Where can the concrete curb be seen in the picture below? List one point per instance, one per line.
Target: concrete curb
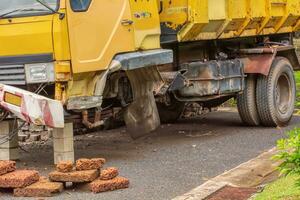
(249, 174)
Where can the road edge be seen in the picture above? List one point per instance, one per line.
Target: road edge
(248, 174)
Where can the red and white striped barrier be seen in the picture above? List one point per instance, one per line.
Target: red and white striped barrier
(31, 107)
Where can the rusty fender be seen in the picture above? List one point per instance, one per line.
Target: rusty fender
(259, 60)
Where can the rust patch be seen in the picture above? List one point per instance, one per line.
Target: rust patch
(259, 60)
(258, 64)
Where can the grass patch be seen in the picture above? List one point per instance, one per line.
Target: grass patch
(282, 189)
(297, 75)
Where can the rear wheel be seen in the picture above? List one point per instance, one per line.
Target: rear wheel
(276, 93)
(246, 103)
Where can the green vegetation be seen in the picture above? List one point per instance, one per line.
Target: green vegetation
(289, 153)
(282, 189)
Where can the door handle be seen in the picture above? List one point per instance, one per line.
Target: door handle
(126, 22)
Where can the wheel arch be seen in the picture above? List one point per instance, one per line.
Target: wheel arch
(260, 60)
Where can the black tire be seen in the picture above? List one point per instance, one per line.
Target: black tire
(246, 103)
(276, 94)
(172, 112)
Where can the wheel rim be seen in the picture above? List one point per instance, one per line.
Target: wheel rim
(283, 94)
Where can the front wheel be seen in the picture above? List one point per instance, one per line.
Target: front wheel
(276, 94)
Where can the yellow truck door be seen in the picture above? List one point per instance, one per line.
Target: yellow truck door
(97, 32)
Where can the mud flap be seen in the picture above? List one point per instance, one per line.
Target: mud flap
(141, 117)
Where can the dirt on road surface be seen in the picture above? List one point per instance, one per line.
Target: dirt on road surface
(175, 159)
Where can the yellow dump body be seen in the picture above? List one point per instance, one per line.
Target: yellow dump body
(220, 19)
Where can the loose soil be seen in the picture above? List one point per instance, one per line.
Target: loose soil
(233, 193)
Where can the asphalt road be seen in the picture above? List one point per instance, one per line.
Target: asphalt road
(174, 160)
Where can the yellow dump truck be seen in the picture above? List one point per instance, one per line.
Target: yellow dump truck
(142, 61)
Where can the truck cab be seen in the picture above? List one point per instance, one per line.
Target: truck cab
(63, 50)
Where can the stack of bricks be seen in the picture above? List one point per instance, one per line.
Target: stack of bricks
(26, 183)
(109, 181)
(86, 170)
(89, 171)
